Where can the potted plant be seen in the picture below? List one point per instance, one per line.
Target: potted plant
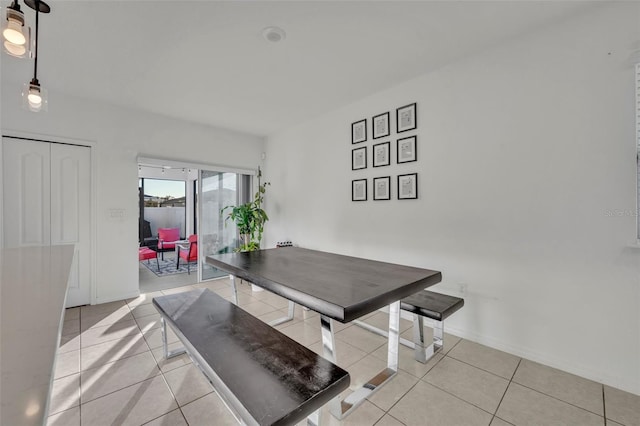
(249, 219)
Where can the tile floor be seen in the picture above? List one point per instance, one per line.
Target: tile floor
(110, 371)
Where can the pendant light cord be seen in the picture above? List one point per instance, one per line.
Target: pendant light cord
(35, 62)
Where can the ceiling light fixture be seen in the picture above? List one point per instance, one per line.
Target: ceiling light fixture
(14, 32)
(274, 34)
(33, 95)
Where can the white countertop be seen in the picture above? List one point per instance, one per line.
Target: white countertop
(33, 288)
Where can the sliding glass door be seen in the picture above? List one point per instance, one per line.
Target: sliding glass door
(218, 190)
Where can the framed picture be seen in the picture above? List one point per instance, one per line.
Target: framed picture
(381, 186)
(381, 154)
(359, 131)
(406, 148)
(406, 118)
(380, 125)
(359, 190)
(408, 186)
(359, 158)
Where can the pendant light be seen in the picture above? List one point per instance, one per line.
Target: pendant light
(33, 95)
(15, 34)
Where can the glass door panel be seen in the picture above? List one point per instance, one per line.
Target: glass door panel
(217, 190)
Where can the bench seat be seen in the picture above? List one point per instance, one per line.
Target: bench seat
(428, 304)
(263, 376)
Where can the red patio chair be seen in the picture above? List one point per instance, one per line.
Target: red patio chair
(145, 253)
(167, 238)
(190, 254)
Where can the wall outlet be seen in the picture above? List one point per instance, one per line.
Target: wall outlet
(462, 289)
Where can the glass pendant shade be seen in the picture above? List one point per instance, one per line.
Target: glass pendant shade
(15, 34)
(34, 97)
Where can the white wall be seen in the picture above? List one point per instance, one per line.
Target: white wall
(119, 136)
(523, 150)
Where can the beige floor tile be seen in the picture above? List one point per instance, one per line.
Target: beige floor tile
(171, 363)
(148, 322)
(567, 387)
(174, 418)
(425, 401)
(381, 320)
(214, 284)
(70, 342)
(113, 350)
(364, 370)
(243, 298)
(305, 314)
(486, 358)
(622, 407)
(526, 407)
(144, 310)
(143, 299)
(104, 319)
(277, 301)
(366, 414)
(71, 314)
(102, 308)
(361, 338)
(346, 354)
(67, 363)
(97, 382)
(471, 384)
(187, 384)
(115, 331)
(134, 405)
(448, 342)
(154, 337)
(201, 412)
(178, 290)
(70, 417)
(270, 316)
(258, 308)
(407, 362)
(387, 420)
(224, 292)
(65, 394)
(497, 421)
(71, 326)
(303, 333)
(389, 394)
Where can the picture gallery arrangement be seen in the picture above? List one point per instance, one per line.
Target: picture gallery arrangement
(379, 153)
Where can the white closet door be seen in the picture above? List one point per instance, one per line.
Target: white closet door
(46, 200)
(26, 189)
(70, 214)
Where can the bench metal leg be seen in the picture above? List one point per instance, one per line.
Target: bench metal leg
(234, 289)
(341, 409)
(167, 353)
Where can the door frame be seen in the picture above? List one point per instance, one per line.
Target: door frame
(17, 134)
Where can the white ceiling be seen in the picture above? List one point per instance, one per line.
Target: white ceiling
(206, 61)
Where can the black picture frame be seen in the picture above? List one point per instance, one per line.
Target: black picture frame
(359, 131)
(380, 126)
(382, 188)
(406, 149)
(359, 190)
(408, 186)
(407, 118)
(381, 154)
(359, 158)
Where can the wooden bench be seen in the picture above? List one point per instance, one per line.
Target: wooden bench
(263, 376)
(428, 304)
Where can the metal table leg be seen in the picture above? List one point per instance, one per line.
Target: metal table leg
(167, 353)
(273, 323)
(341, 409)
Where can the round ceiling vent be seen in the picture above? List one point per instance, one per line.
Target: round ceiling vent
(274, 34)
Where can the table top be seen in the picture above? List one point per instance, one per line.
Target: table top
(340, 287)
(33, 287)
